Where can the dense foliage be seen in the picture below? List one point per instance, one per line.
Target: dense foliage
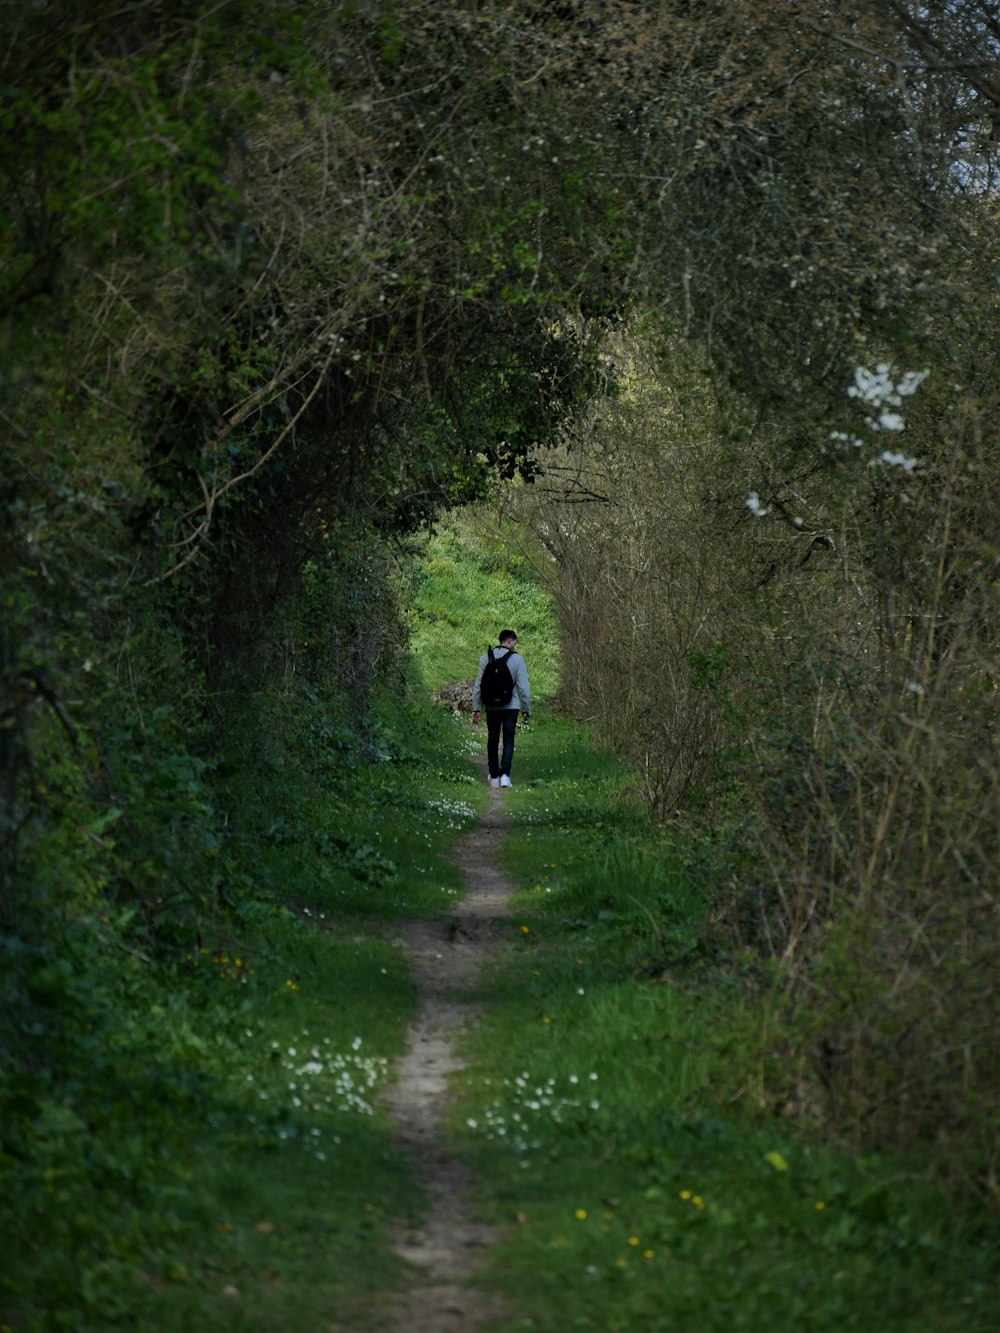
(606, 1107)
(779, 541)
(269, 303)
(267, 306)
(281, 282)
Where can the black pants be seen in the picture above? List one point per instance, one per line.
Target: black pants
(497, 720)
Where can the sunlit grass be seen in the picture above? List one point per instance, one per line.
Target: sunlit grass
(462, 602)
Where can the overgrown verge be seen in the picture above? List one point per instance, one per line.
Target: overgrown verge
(610, 1108)
(792, 643)
(199, 1013)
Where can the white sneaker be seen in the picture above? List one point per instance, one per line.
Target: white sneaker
(494, 782)
(505, 780)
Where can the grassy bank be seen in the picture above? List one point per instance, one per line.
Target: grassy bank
(213, 1155)
(472, 584)
(608, 1109)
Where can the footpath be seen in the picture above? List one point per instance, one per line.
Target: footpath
(583, 1099)
(445, 956)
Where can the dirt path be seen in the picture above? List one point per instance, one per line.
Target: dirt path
(447, 1247)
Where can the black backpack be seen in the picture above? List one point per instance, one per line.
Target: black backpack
(497, 684)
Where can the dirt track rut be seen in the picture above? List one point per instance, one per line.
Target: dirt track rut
(448, 1246)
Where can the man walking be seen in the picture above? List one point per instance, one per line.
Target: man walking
(502, 685)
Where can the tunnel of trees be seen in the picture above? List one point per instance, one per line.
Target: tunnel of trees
(702, 297)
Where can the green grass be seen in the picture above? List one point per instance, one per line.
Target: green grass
(606, 1111)
(205, 1163)
(465, 596)
(378, 852)
(297, 1175)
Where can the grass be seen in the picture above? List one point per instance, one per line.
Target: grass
(297, 1175)
(307, 1182)
(465, 596)
(607, 1110)
(219, 1159)
(222, 1161)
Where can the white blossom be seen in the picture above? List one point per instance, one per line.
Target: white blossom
(878, 389)
(890, 459)
(891, 421)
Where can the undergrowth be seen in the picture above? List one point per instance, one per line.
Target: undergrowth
(191, 1132)
(609, 1109)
